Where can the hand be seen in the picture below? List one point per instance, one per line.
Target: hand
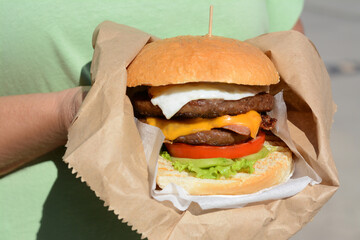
(69, 102)
(34, 124)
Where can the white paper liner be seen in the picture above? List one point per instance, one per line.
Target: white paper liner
(303, 174)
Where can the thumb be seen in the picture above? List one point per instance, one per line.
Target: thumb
(70, 101)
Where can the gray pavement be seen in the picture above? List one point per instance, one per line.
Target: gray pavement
(334, 27)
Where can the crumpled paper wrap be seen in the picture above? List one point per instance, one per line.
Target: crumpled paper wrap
(105, 148)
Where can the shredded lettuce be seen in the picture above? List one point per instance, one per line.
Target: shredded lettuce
(215, 168)
(165, 155)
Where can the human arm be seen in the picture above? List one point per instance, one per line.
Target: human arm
(299, 26)
(34, 124)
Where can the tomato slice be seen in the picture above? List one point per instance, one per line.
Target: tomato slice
(183, 150)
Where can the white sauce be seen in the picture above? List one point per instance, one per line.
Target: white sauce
(172, 98)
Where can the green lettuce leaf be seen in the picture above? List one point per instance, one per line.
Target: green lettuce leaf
(215, 168)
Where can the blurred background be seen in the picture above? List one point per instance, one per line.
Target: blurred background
(334, 28)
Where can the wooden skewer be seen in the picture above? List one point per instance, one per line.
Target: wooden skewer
(210, 20)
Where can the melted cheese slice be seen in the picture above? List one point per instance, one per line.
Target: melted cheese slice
(172, 98)
(176, 128)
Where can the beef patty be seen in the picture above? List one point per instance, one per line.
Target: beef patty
(205, 108)
(214, 137)
(223, 136)
(211, 108)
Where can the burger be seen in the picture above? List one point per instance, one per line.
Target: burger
(209, 96)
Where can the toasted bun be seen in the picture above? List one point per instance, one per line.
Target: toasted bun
(270, 171)
(187, 59)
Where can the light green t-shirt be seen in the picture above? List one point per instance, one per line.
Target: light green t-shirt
(45, 44)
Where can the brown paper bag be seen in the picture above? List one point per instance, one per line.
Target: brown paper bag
(105, 148)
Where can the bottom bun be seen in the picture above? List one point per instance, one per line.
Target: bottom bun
(270, 171)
